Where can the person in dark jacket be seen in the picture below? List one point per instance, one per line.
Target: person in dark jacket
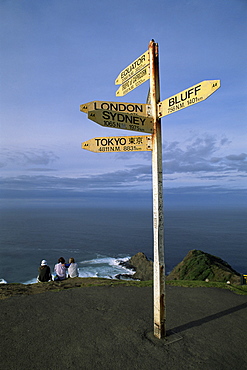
(44, 272)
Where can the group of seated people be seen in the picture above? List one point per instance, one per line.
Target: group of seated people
(59, 270)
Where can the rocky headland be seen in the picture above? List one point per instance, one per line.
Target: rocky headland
(197, 265)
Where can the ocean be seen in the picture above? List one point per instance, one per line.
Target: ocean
(99, 239)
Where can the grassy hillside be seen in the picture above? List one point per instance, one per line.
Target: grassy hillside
(198, 265)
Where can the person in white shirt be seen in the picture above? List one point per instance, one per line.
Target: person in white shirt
(73, 269)
(60, 269)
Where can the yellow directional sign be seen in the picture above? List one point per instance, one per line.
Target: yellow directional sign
(140, 109)
(119, 144)
(139, 78)
(133, 68)
(124, 121)
(188, 97)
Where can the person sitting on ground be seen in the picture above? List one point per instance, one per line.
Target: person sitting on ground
(44, 272)
(60, 269)
(73, 269)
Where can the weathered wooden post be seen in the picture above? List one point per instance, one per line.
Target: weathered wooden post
(158, 215)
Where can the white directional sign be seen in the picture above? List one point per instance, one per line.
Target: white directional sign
(139, 78)
(188, 97)
(124, 121)
(133, 68)
(119, 144)
(140, 109)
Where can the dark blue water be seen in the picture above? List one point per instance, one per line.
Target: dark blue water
(95, 238)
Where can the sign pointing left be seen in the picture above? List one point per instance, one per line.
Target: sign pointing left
(140, 109)
(134, 75)
(133, 68)
(118, 144)
(124, 121)
(139, 78)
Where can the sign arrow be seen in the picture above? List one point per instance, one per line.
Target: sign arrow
(119, 144)
(188, 97)
(124, 121)
(139, 78)
(133, 68)
(140, 109)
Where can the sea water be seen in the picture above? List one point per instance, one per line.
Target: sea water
(99, 239)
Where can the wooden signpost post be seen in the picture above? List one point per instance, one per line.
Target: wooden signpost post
(145, 118)
(158, 214)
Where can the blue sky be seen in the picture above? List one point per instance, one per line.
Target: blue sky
(58, 54)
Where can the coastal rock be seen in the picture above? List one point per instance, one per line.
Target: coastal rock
(125, 277)
(198, 265)
(142, 266)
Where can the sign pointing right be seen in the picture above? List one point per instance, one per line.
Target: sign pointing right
(188, 97)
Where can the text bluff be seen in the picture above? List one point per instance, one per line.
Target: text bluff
(184, 95)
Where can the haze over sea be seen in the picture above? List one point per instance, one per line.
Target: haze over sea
(98, 238)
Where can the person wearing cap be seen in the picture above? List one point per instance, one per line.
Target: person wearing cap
(44, 272)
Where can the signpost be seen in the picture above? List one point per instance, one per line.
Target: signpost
(121, 120)
(145, 118)
(140, 109)
(158, 215)
(139, 78)
(133, 68)
(119, 144)
(188, 97)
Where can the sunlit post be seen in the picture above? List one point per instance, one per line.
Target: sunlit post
(158, 216)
